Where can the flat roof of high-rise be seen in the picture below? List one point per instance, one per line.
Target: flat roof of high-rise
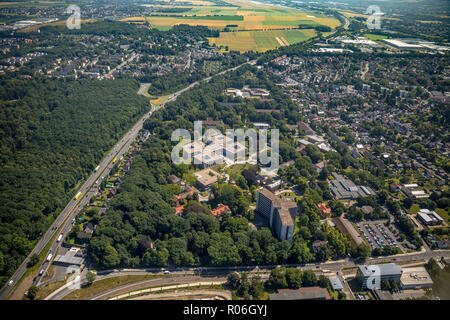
(416, 276)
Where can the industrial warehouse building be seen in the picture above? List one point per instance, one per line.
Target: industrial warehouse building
(308, 293)
(74, 256)
(343, 188)
(429, 218)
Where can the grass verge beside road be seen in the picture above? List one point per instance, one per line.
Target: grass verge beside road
(158, 100)
(49, 288)
(107, 284)
(214, 286)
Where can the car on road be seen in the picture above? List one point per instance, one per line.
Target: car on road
(167, 272)
(10, 283)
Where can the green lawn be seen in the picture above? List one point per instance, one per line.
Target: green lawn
(163, 28)
(264, 40)
(235, 170)
(295, 36)
(414, 209)
(444, 213)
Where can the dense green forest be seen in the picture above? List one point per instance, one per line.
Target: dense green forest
(53, 133)
(140, 214)
(140, 228)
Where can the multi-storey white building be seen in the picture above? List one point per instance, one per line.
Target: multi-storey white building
(281, 214)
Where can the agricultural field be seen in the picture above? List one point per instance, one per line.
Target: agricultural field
(374, 37)
(240, 15)
(57, 23)
(349, 14)
(245, 25)
(260, 40)
(243, 22)
(36, 4)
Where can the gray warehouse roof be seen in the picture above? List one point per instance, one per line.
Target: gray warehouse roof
(69, 260)
(384, 269)
(343, 188)
(308, 293)
(336, 284)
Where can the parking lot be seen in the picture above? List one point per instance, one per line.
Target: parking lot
(378, 235)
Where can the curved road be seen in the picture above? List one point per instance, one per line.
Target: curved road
(180, 275)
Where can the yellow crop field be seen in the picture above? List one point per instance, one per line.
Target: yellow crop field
(245, 15)
(239, 41)
(193, 2)
(133, 19)
(353, 14)
(5, 4)
(260, 40)
(250, 25)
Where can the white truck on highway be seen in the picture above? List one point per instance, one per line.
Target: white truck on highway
(49, 257)
(59, 238)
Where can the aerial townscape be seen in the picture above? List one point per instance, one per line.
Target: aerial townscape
(225, 150)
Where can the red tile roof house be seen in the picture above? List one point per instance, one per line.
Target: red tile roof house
(221, 209)
(179, 210)
(394, 187)
(325, 210)
(188, 191)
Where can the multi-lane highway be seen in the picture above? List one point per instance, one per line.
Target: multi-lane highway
(184, 274)
(64, 220)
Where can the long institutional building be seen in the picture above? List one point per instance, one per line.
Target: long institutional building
(343, 188)
(218, 149)
(371, 276)
(280, 213)
(429, 218)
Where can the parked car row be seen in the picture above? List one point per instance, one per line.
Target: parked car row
(368, 238)
(387, 237)
(374, 239)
